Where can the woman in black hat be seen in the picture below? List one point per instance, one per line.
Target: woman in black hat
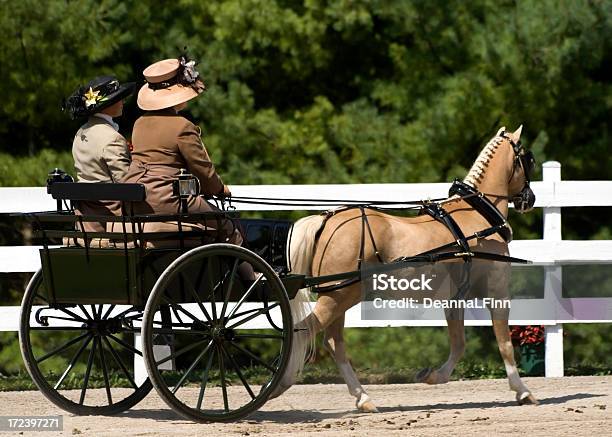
(100, 152)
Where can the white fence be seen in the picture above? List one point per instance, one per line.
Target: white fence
(552, 251)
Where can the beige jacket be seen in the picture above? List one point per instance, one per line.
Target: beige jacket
(100, 153)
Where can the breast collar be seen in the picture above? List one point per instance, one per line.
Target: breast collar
(484, 207)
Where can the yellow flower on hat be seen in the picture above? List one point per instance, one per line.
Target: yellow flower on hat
(91, 97)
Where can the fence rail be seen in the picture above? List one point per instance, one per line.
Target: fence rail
(551, 251)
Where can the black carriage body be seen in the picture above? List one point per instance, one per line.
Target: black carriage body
(187, 297)
(79, 275)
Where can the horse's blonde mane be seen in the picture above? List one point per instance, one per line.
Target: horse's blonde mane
(475, 174)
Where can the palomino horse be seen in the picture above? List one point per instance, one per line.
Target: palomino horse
(329, 244)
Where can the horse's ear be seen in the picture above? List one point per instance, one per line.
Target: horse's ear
(516, 135)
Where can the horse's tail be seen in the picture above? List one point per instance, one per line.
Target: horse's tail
(300, 252)
(301, 244)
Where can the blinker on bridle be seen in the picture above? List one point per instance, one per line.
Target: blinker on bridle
(525, 199)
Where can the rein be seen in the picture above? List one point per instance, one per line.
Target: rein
(476, 199)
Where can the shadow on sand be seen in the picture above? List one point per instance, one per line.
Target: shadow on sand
(314, 416)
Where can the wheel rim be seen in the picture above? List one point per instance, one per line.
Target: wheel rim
(70, 350)
(222, 368)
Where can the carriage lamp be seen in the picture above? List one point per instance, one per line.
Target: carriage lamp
(57, 175)
(186, 185)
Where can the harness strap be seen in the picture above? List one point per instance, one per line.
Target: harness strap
(484, 206)
(365, 224)
(439, 214)
(350, 278)
(362, 241)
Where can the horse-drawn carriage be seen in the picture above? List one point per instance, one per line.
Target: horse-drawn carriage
(216, 341)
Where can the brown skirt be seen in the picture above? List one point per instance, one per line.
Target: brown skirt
(158, 180)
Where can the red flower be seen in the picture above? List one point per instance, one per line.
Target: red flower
(527, 334)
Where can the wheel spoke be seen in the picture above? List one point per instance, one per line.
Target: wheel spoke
(176, 314)
(71, 364)
(85, 312)
(88, 370)
(238, 372)
(94, 311)
(244, 297)
(126, 345)
(181, 309)
(213, 288)
(120, 362)
(188, 313)
(222, 375)
(253, 356)
(229, 288)
(252, 316)
(76, 316)
(108, 311)
(269, 336)
(105, 373)
(243, 313)
(194, 293)
(61, 348)
(179, 384)
(205, 380)
(181, 351)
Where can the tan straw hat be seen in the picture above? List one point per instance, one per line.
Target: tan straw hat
(169, 83)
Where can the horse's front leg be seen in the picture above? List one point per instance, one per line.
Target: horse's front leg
(502, 334)
(456, 333)
(334, 343)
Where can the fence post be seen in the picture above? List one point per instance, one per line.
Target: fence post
(551, 172)
(140, 372)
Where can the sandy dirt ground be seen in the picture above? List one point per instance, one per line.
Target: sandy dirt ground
(571, 406)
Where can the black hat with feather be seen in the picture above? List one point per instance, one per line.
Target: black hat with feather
(97, 94)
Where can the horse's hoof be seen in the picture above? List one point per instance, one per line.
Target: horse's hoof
(368, 407)
(526, 399)
(425, 376)
(365, 405)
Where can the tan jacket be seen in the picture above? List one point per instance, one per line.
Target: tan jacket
(100, 153)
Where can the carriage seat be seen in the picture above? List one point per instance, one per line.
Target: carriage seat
(194, 234)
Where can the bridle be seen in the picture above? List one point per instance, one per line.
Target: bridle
(525, 199)
(522, 157)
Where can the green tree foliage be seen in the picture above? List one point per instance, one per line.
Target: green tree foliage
(313, 91)
(344, 91)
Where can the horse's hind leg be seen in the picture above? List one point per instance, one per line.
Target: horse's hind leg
(502, 334)
(456, 333)
(334, 343)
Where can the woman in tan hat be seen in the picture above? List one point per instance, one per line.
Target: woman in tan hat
(165, 142)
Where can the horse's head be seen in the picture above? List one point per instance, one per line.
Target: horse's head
(523, 166)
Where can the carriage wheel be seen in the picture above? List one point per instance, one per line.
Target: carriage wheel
(70, 349)
(228, 335)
